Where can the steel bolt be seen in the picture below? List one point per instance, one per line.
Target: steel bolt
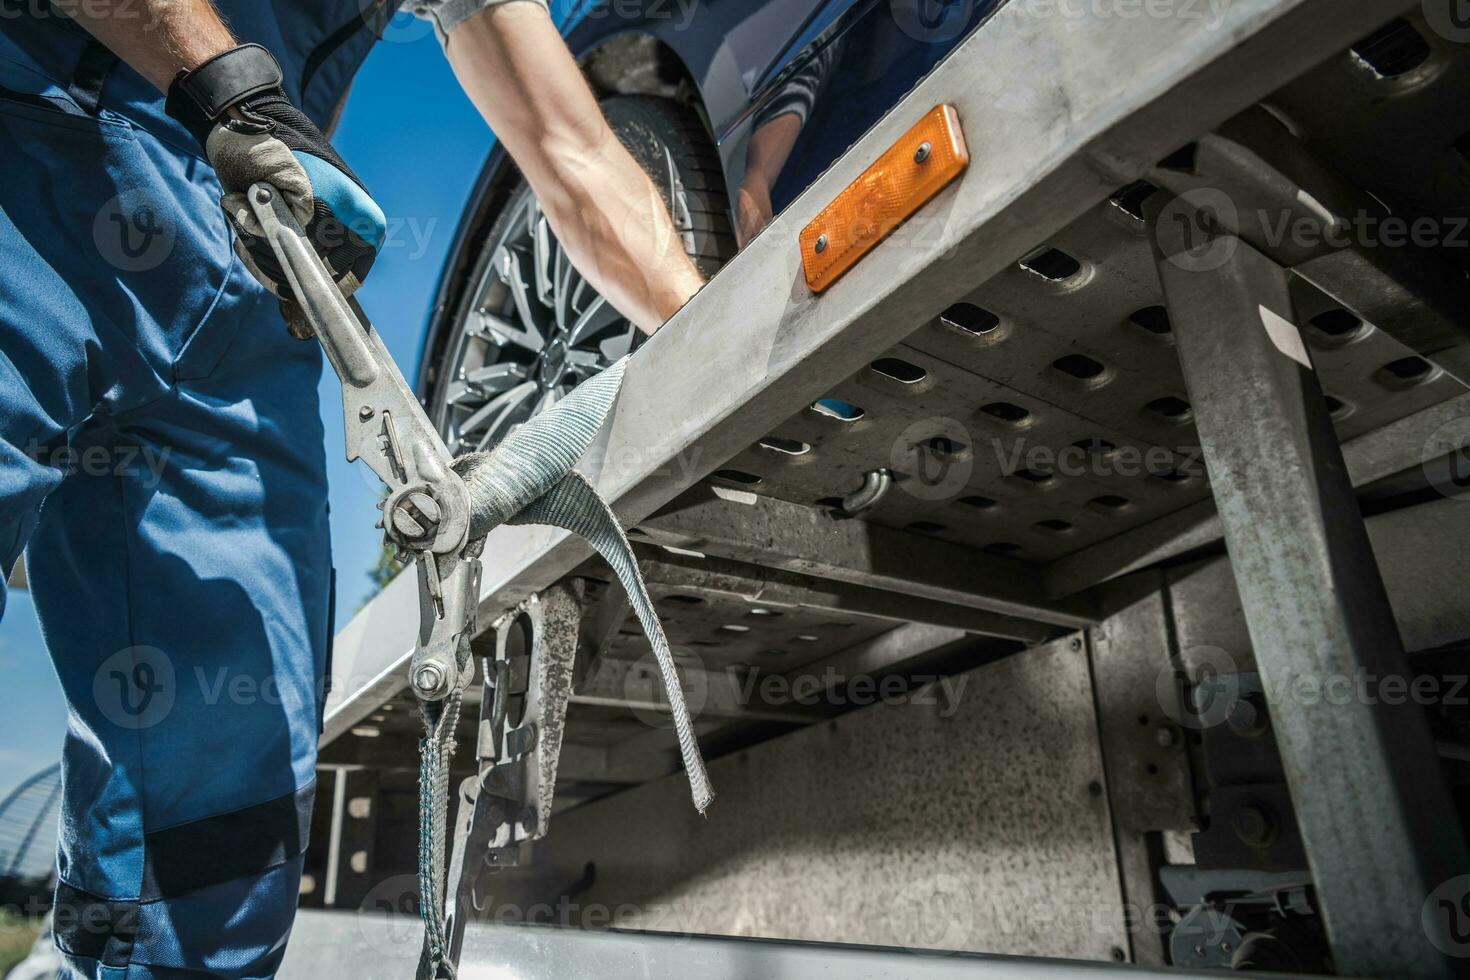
(1254, 825)
(922, 153)
(428, 679)
(1247, 716)
(427, 506)
(1076, 643)
(821, 245)
(263, 195)
(405, 525)
(1166, 736)
(365, 413)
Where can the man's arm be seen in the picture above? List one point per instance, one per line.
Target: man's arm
(605, 211)
(158, 38)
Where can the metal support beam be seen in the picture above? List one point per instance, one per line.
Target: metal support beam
(811, 541)
(716, 577)
(882, 654)
(1365, 781)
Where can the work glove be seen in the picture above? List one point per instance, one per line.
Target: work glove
(234, 105)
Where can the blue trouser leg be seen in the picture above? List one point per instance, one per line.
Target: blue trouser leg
(161, 461)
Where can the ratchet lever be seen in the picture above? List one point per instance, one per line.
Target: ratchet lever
(426, 512)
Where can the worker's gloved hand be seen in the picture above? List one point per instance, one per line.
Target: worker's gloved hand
(235, 107)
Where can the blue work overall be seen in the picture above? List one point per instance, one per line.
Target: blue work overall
(162, 465)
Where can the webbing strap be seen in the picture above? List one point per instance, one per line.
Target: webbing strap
(528, 479)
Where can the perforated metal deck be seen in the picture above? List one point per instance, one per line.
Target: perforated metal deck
(1046, 412)
(1041, 415)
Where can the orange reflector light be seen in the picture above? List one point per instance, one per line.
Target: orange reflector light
(884, 196)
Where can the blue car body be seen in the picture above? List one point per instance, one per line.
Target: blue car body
(855, 59)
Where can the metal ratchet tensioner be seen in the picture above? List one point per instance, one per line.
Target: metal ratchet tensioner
(426, 512)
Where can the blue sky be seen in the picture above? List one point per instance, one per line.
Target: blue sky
(418, 145)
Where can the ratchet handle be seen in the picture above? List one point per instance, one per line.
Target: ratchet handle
(320, 299)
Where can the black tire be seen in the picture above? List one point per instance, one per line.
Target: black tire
(669, 142)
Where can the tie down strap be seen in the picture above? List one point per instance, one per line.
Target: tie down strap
(529, 479)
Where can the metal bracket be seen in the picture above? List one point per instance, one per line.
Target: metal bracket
(508, 803)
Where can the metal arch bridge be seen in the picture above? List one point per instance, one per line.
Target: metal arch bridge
(28, 826)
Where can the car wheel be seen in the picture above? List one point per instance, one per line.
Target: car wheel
(530, 328)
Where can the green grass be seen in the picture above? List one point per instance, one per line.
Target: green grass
(16, 936)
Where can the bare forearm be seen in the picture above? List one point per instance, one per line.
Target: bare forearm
(617, 232)
(605, 211)
(158, 38)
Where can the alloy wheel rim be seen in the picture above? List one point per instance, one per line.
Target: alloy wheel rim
(536, 330)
